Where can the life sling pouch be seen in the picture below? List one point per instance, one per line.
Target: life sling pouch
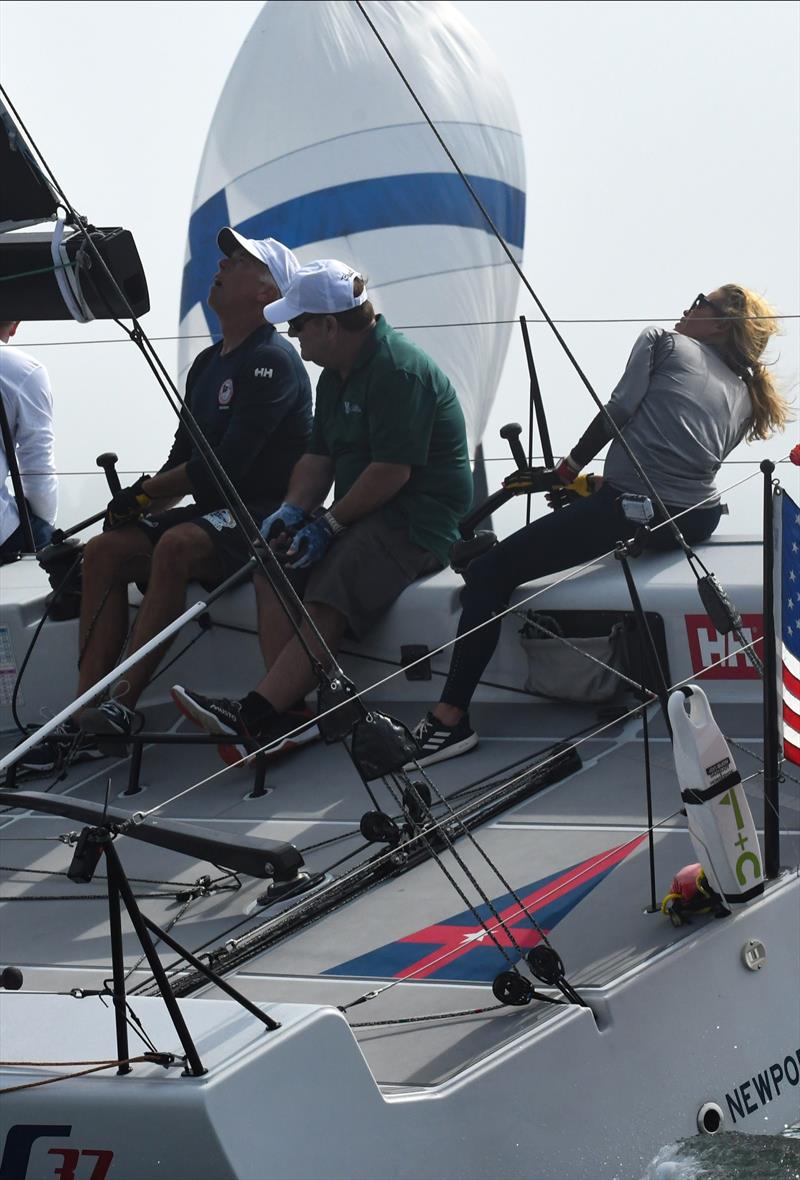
(579, 669)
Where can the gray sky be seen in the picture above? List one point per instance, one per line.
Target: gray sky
(662, 154)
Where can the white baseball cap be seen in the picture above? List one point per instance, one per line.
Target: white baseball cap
(279, 259)
(324, 287)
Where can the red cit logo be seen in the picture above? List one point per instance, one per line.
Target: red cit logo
(707, 646)
(225, 393)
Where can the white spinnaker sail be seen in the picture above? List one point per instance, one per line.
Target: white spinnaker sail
(317, 142)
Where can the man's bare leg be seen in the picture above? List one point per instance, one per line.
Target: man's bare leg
(290, 675)
(184, 553)
(274, 628)
(110, 562)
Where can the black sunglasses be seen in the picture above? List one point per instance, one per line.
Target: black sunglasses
(702, 301)
(300, 321)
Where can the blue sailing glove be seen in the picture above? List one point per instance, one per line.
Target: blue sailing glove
(286, 519)
(313, 541)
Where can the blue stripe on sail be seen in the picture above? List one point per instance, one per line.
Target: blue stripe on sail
(426, 198)
(204, 225)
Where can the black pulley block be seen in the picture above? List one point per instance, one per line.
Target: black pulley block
(339, 709)
(417, 801)
(545, 964)
(381, 746)
(509, 987)
(379, 828)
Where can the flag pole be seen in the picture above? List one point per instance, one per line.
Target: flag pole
(772, 745)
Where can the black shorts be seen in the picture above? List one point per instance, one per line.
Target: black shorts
(230, 545)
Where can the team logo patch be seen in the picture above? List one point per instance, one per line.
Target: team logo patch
(221, 519)
(225, 395)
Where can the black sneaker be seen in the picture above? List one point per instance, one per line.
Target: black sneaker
(63, 747)
(115, 720)
(437, 741)
(278, 735)
(214, 714)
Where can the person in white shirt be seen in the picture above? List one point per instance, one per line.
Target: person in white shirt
(28, 402)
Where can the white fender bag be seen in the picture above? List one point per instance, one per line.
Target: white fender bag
(720, 823)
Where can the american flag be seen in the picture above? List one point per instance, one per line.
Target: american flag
(787, 552)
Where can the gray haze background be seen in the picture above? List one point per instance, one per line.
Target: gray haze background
(663, 157)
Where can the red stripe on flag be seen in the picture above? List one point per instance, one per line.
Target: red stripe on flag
(791, 753)
(791, 683)
(791, 718)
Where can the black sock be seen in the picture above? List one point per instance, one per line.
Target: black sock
(257, 711)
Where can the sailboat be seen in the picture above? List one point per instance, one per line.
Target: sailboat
(456, 974)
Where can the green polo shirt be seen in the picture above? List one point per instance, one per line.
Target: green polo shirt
(397, 406)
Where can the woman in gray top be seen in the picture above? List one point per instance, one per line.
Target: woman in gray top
(685, 400)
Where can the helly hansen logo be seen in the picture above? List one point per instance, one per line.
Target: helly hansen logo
(263, 372)
(352, 408)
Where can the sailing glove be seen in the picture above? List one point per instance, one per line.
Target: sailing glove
(285, 520)
(313, 541)
(127, 505)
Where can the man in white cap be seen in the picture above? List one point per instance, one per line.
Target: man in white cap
(389, 438)
(250, 395)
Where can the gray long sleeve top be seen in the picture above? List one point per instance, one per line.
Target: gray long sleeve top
(682, 411)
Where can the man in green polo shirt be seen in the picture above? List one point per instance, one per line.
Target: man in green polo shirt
(389, 438)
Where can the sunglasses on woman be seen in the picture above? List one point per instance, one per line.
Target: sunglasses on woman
(702, 301)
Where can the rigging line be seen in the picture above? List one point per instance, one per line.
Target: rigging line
(230, 496)
(616, 432)
(422, 833)
(173, 921)
(465, 830)
(561, 887)
(432, 1016)
(784, 774)
(660, 319)
(562, 639)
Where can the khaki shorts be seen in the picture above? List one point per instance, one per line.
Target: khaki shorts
(364, 571)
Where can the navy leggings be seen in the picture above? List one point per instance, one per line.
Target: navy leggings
(585, 530)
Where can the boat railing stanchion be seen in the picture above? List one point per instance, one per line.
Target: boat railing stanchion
(772, 744)
(647, 647)
(118, 974)
(259, 778)
(134, 786)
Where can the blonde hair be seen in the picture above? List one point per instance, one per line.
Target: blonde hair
(752, 324)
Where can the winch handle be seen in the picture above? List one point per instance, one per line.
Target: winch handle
(107, 461)
(511, 432)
